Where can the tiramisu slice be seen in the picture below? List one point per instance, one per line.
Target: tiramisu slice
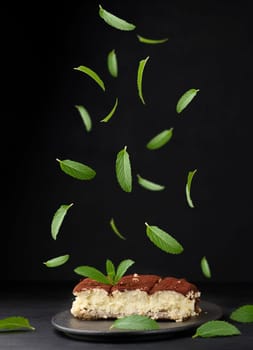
(166, 298)
(92, 300)
(174, 299)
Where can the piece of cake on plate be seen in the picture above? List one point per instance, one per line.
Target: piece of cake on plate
(160, 298)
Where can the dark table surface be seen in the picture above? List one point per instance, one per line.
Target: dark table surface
(39, 301)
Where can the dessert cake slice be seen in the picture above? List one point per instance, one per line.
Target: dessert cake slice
(159, 298)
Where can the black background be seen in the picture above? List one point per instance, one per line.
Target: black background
(210, 49)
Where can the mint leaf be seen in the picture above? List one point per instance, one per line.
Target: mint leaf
(122, 268)
(243, 314)
(77, 170)
(140, 71)
(123, 170)
(160, 140)
(110, 270)
(216, 329)
(149, 185)
(108, 117)
(115, 21)
(185, 99)
(135, 322)
(115, 229)
(112, 64)
(58, 261)
(205, 267)
(112, 278)
(15, 323)
(85, 117)
(151, 41)
(93, 273)
(163, 240)
(92, 74)
(188, 188)
(58, 219)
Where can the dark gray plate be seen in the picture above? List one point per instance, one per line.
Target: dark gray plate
(99, 330)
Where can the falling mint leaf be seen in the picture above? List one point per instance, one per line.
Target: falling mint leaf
(216, 329)
(85, 117)
(112, 63)
(108, 117)
(188, 188)
(243, 314)
(92, 74)
(15, 323)
(123, 170)
(58, 219)
(135, 322)
(93, 273)
(205, 267)
(77, 170)
(115, 21)
(163, 240)
(115, 229)
(58, 261)
(151, 41)
(149, 185)
(140, 71)
(185, 99)
(160, 140)
(122, 268)
(110, 270)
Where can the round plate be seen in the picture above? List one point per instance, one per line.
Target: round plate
(99, 330)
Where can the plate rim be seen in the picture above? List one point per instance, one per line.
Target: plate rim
(122, 333)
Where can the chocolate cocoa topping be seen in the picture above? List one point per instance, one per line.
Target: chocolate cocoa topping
(88, 283)
(148, 283)
(171, 283)
(135, 281)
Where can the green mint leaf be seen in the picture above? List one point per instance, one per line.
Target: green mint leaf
(115, 21)
(58, 219)
(163, 240)
(93, 273)
(188, 188)
(58, 261)
(243, 314)
(112, 64)
(92, 74)
(135, 322)
(123, 170)
(85, 117)
(15, 323)
(185, 99)
(216, 329)
(205, 267)
(160, 140)
(122, 268)
(140, 71)
(110, 270)
(77, 170)
(151, 41)
(115, 229)
(108, 117)
(149, 185)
